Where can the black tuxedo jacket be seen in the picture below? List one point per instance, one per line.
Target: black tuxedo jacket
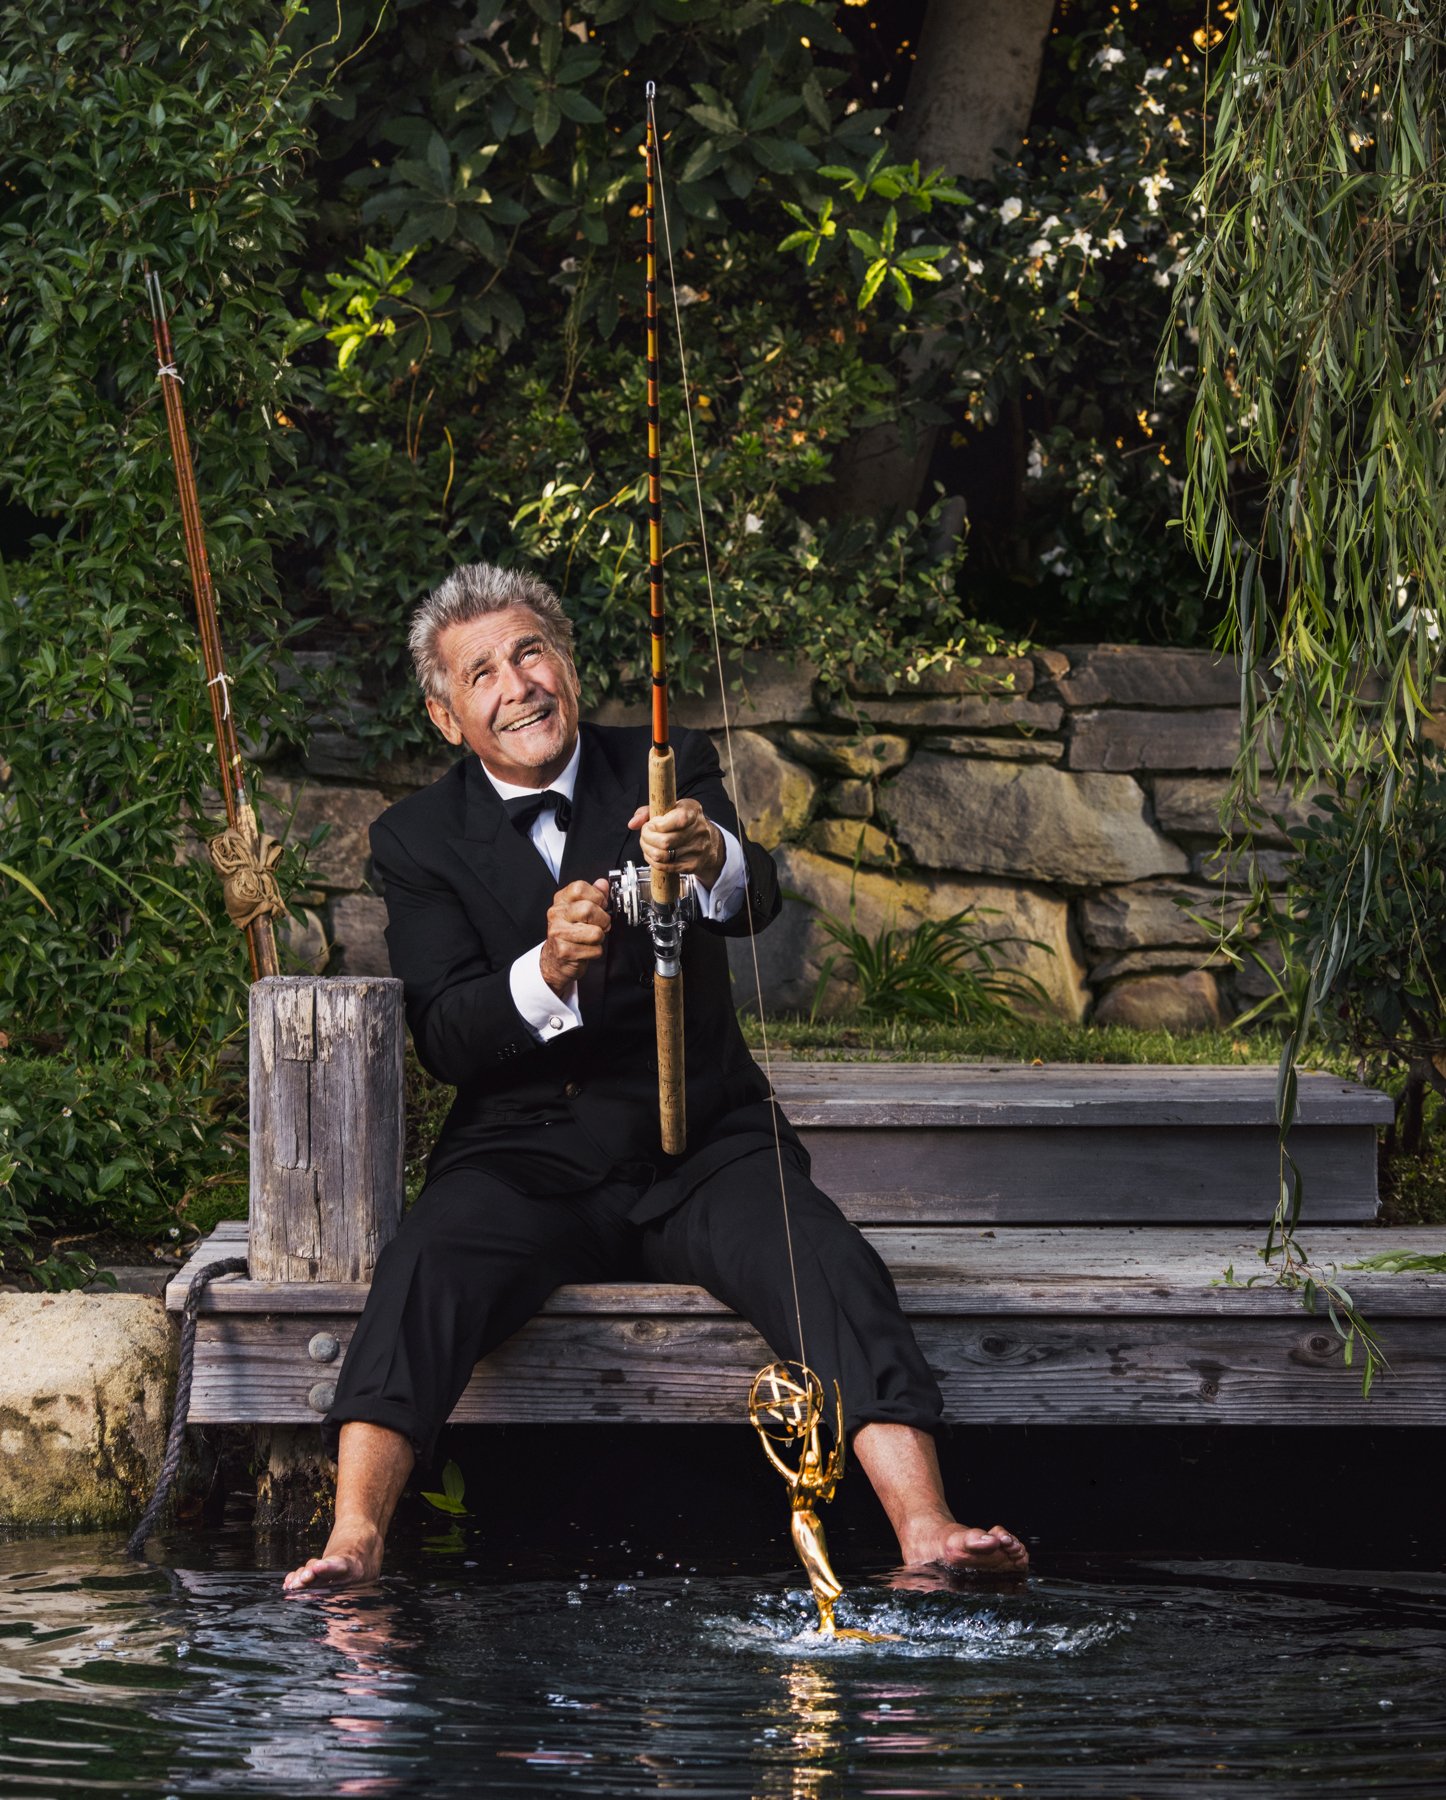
(467, 893)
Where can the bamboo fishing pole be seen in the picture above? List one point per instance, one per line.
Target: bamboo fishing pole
(242, 856)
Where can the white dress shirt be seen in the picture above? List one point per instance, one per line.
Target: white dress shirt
(548, 1014)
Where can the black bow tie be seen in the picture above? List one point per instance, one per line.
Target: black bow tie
(524, 808)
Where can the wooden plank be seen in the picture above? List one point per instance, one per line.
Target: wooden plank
(1089, 1175)
(1051, 1094)
(992, 1371)
(956, 1272)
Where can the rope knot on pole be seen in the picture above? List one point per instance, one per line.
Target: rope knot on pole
(245, 858)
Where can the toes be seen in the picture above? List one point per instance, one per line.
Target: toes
(1008, 1544)
(317, 1568)
(992, 1549)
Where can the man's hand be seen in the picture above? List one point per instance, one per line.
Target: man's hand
(681, 841)
(578, 922)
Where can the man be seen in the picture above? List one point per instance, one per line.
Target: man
(522, 993)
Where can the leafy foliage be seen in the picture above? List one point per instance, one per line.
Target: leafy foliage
(1316, 482)
(1053, 283)
(943, 970)
(87, 1145)
(486, 393)
(1315, 476)
(127, 137)
(450, 1499)
(1380, 910)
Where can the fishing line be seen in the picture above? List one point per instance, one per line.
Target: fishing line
(732, 776)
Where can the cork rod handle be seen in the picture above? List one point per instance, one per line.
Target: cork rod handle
(667, 990)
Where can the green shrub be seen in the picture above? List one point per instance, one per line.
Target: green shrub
(1371, 904)
(1046, 311)
(945, 971)
(476, 349)
(169, 136)
(112, 1147)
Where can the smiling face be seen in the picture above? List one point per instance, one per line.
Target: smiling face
(511, 697)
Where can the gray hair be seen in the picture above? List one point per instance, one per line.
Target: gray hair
(471, 592)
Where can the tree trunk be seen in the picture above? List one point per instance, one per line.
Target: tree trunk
(967, 106)
(972, 89)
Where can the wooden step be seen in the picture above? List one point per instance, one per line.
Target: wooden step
(1078, 1144)
(1080, 1325)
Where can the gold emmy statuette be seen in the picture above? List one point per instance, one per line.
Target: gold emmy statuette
(786, 1409)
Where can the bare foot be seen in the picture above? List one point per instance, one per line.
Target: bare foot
(944, 1541)
(349, 1558)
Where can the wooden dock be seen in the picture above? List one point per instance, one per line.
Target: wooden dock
(1059, 1237)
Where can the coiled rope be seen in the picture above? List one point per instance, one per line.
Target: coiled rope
(171, 1462)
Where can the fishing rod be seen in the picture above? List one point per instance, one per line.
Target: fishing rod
(787, 1405)
(658, 897)
(243, 856)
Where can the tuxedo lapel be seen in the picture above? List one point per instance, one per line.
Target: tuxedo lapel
(503, 860)
(602, 803)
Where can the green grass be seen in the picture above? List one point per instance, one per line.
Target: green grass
(206, 1210)
(1016, 1040)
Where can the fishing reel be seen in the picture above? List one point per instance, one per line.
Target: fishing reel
(630, 898)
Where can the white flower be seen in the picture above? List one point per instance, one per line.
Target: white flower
(1156, 73)
(974, 268)
(1010, 210)
(1109, 56)
(751, 523)
(1056, 562)
(1050, 223)
(1415, 618)
(1080, 240)
(1034, 466)
(687, 296)
(1160, 278)
(1092, 152)
(1114, 238)
(1153, 186)
(1041, 250)
(1152, 105)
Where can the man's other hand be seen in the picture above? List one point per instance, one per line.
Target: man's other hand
(681, 841)
(577, 927)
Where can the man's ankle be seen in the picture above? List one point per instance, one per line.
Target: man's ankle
(923, 1529)
(363, 1533)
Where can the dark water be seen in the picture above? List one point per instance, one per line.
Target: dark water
(633, 1674)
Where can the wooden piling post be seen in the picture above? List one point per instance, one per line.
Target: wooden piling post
(326, 1125)
(326, 1178)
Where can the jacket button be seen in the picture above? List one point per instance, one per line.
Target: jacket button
(573, 1089)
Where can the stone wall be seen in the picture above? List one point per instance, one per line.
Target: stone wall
(1074, 794)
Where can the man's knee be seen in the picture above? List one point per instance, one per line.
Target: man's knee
(460, 1235)
(747, 1227)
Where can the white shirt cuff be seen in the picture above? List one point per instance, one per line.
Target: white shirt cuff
(548, 1014)
(723, 899)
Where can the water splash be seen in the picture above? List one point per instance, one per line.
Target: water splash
(965, 1627)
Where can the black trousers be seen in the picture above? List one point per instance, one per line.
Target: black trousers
(475, 1259)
